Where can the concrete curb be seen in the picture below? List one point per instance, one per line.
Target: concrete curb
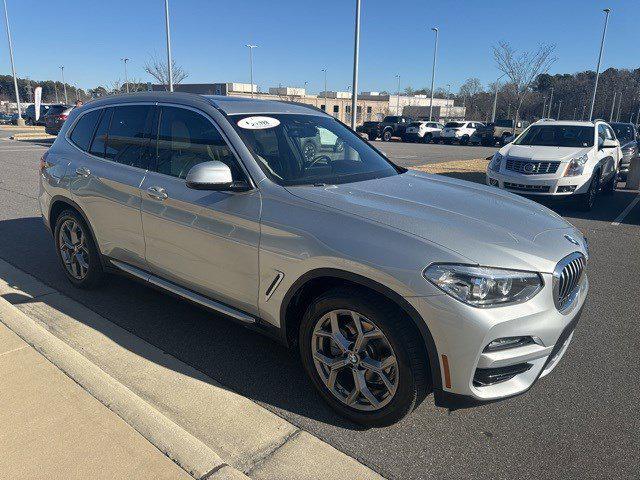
(185, 450)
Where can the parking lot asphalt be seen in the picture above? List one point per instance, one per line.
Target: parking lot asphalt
(413, 154)
(582, 421)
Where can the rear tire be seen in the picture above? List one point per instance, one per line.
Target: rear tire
(386, 136)
(77, 251)
(397, 390)
(427, 138)
(464, 140)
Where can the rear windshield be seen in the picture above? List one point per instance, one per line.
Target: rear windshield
(504, 123)
(557, 136)
(453, 125)
(624, 131)
(57, 109)
(391, 119)
(310, 150)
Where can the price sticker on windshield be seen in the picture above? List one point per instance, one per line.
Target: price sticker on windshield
(258, 123)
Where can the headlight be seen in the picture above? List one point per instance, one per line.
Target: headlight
(495, 162)
(484, 286)
(576, 166)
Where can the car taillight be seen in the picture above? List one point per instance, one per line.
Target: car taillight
(62, 116)
(43, 161)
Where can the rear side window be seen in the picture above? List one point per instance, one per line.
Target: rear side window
(185, 139)
(83, 131)
(126, 140)
(100, 138)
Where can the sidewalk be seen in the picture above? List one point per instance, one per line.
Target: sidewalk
(52, 428)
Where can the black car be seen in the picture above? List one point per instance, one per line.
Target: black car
(370, 129)
(29, 115)
(628, 137)
(393, 126)
(56, 117)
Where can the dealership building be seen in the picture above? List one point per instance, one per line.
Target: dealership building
(371, 105)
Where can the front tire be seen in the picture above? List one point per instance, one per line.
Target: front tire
(609, 187)
(386, 136)
(77, 251)
(587, 200)
(427, 138)
(464, 140)
(363, 356)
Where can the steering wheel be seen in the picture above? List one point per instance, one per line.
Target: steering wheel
(317, 159)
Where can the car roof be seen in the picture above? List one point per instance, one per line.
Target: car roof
(569, 122)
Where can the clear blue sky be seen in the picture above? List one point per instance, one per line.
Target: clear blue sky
(297, 38)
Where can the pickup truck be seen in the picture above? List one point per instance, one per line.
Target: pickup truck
(393, 126)
(369, 130)
(499, 132)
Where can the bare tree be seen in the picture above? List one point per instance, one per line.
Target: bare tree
(158, 70)
(523, 68)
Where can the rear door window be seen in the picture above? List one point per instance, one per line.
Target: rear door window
(100, 138)
(126, 142)
(83, 131)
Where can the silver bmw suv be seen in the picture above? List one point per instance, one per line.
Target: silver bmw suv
(390, 283)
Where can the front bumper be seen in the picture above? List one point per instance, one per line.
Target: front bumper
(539, 185)
(461, 333)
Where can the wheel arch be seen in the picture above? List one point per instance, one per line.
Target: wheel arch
(320, 280)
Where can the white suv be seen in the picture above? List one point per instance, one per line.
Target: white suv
(422, 131)
(559, 159)
(459, 131)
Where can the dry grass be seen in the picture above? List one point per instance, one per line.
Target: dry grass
(472, 170)
(26, 128)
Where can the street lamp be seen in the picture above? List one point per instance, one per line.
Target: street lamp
(13, 68)
(356, 55)
(168, 32)
(495, 99)
(251, 47)
(64, 85)
(619, 105)
(433, 70)
(550, 103)
(325, 88)
(559, 107)
(613, 106)
(607, 11)
(398, 96)
(584, 107)
(126, 79)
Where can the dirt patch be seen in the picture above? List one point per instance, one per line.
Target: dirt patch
(472, 170)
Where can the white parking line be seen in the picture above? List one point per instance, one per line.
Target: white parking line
(626, 211)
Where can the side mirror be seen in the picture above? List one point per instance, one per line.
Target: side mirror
(214, 176)
(608, 143)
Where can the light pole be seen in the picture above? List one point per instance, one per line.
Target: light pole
(575, 112)
(13, 67)
(613, 106)
(325, 89)
(619, 105)
(544, 106)
(550, 103)
(584, 107)
(251, 47)
(55, 88)
(64, 85)
(398, 96)
(126, 79)
(559, 107)
(356, 55)
(433, 70)
(169, 61)
(607, 11)
(495, 99)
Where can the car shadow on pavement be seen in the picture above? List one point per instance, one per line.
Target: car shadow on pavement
(240, 359)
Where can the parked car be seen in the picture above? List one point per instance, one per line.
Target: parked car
(29, 114)
(212, 199)
(627, 134)
(459, 132)
(5, 119)
(369, 129)
(561, 160)
(14, 118)
(393, 126)
(55, 118)
(499, 132)
(422, 131)
(322, 141)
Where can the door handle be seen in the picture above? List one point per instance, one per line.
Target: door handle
(158, 193)
(83, 172)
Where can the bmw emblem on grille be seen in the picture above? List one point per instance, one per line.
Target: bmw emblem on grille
(572, 240)
(529, 167)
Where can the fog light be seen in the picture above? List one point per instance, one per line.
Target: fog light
(567, 188)
(508, 342)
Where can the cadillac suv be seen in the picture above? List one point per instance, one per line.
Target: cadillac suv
(390, 283)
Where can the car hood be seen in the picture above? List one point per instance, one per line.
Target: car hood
(537, 153)
(483, 224)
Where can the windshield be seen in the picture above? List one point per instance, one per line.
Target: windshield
(453, 125)
(310, 150)
(557, 136)
(624, 131)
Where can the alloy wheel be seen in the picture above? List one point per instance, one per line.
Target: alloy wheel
(354, 360)
(72, 243)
